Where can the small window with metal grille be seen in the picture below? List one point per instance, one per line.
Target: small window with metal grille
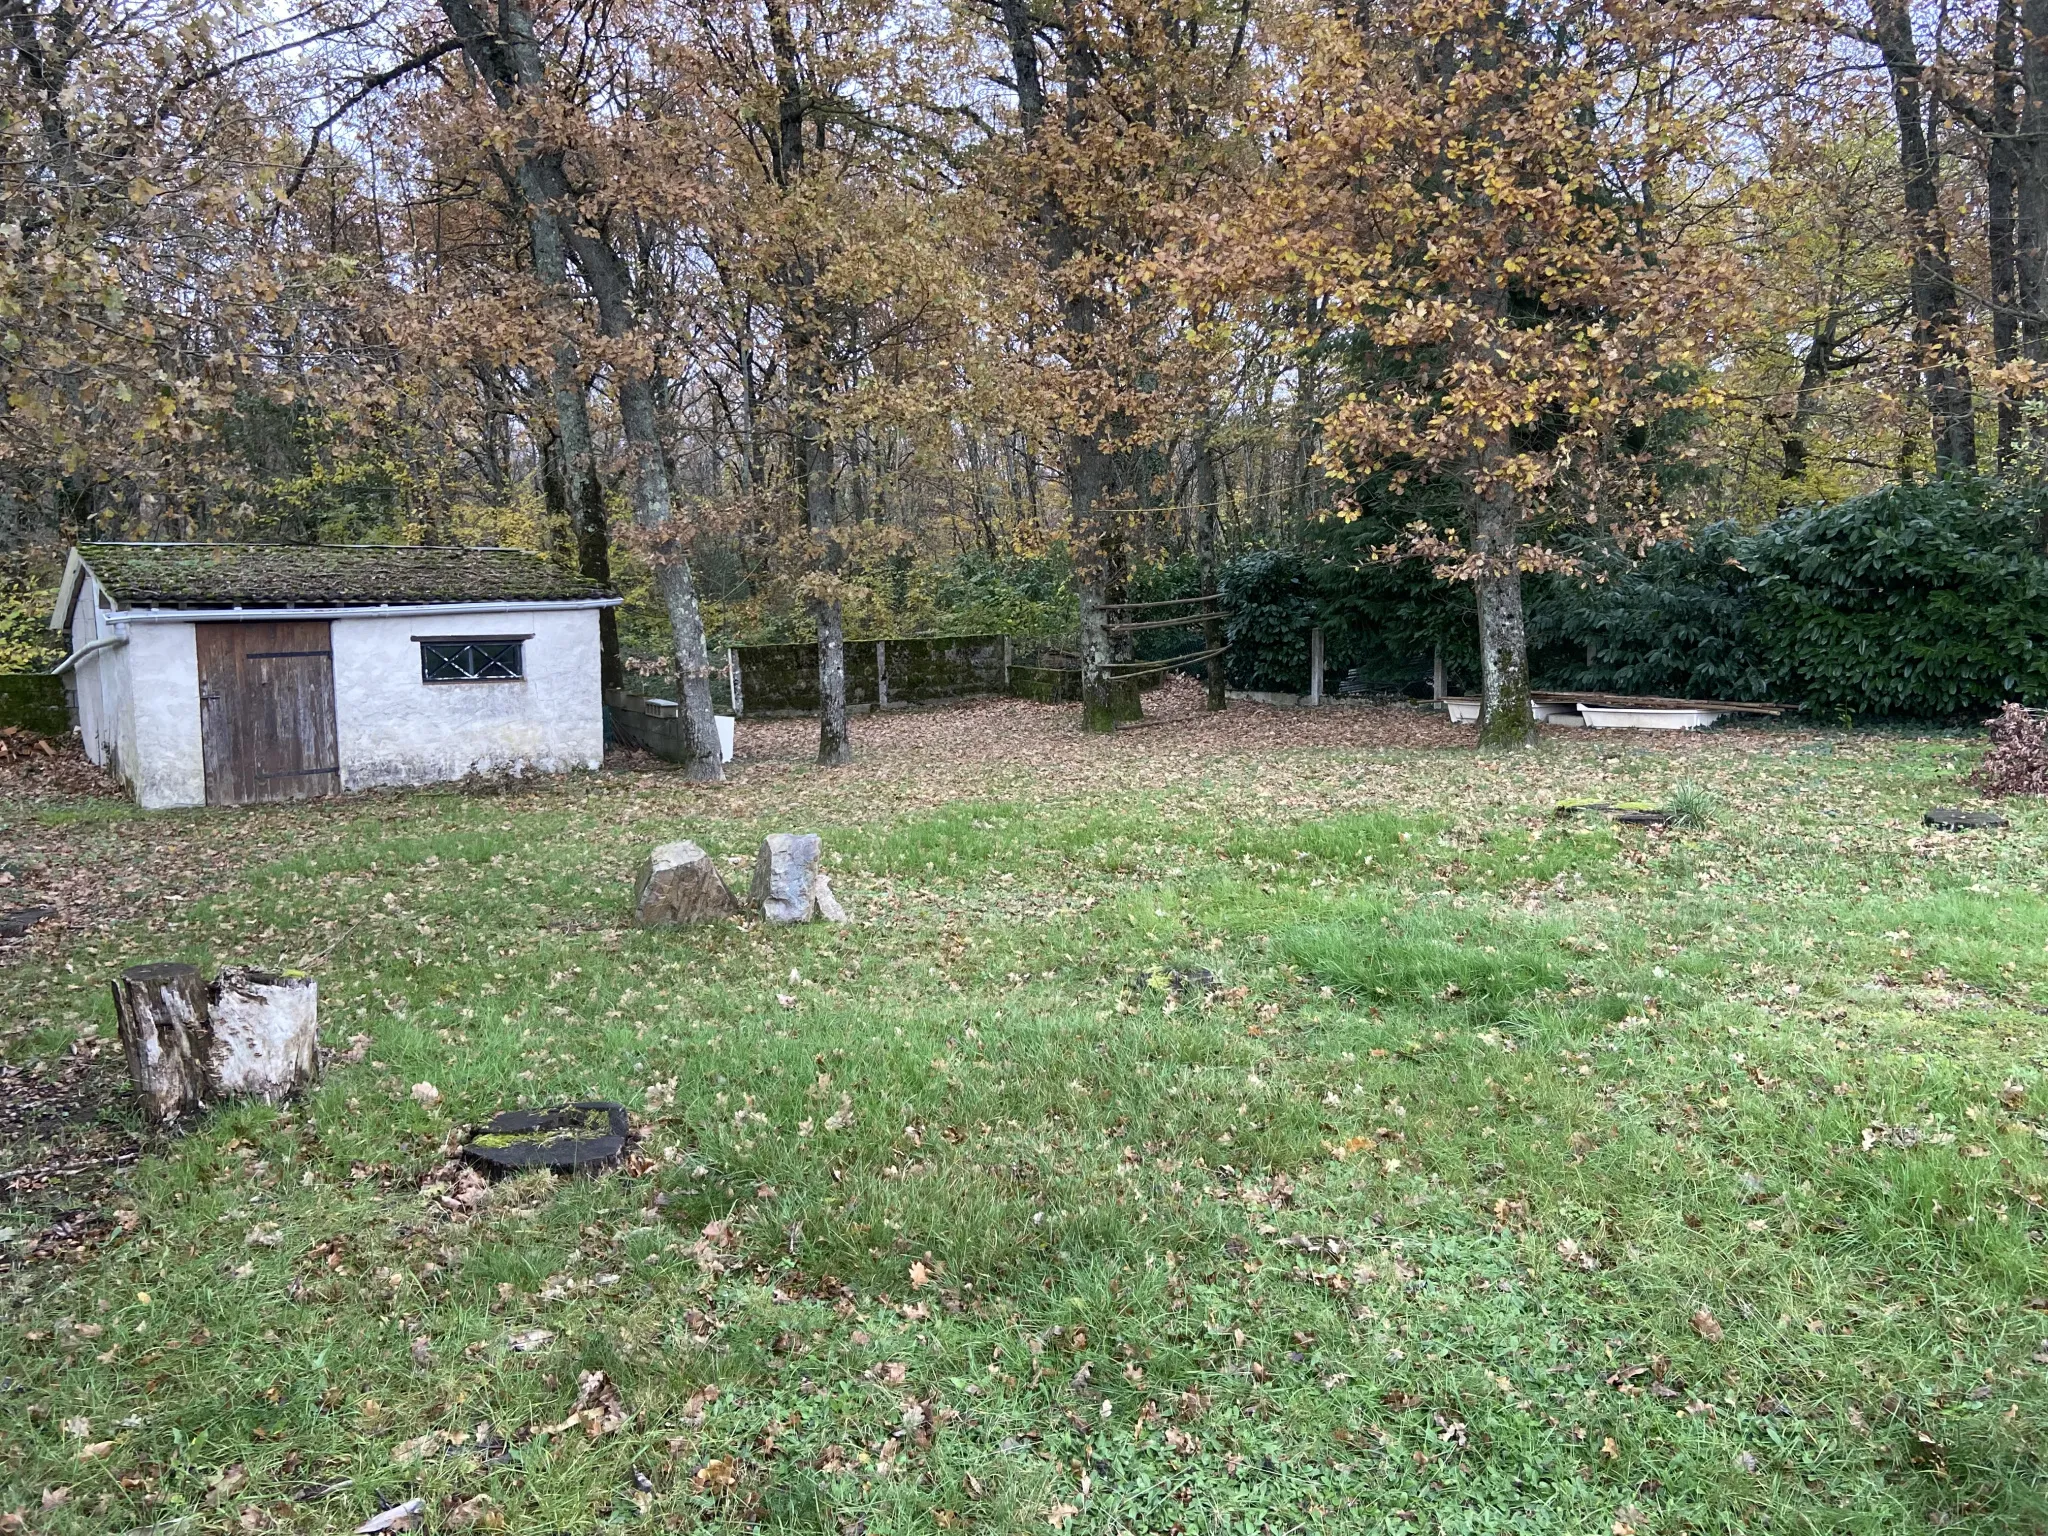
(482, 659)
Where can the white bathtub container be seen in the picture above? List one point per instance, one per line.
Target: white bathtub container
(1603, 718)
(1466, 712)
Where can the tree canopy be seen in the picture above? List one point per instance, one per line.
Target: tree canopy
(800, 318)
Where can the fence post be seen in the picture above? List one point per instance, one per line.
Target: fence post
(881, 675)
(1437, 677)
(1007, 652)
(1315, 666)
(732, 680)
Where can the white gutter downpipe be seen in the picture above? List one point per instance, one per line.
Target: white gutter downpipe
(85, 651)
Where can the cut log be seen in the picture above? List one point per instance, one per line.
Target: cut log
(266, 1034)
(166, 1034)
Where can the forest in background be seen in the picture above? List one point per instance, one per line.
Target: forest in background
(810, 317)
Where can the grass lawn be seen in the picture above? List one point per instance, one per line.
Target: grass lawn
(1510, 1174)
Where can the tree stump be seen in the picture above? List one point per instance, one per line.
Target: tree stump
(166, 1032)
(266, 1034)
(250, 1034)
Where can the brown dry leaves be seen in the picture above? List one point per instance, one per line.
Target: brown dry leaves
(598, 1411)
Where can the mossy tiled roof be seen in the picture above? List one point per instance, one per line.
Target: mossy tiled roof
(326, 575)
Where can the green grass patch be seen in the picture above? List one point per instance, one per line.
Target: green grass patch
(1507, 1174)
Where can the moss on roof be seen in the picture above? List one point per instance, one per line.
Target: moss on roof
(326, 575)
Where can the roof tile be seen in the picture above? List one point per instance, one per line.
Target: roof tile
(326, 575)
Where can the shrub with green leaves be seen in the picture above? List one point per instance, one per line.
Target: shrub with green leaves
(1273, 603)
(28, 585)
(1921, 601)
(1673, 624)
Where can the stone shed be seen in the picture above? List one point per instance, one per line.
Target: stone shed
(221, 674)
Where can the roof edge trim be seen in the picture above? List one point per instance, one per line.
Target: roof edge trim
(196, 615)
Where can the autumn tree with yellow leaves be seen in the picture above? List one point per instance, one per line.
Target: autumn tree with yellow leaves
(1474, 193)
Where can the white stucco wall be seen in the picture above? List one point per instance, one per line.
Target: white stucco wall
(160, 752)
(100, 681)
(394, 728)
(138, 704)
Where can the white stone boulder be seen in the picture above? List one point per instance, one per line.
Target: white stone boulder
(789, 886)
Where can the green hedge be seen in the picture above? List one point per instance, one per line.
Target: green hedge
(1921, 602)
(34, 701)
(1928, 602)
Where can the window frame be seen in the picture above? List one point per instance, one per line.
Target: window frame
(517, 642)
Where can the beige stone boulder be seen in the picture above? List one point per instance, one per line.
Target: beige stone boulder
(678, 884)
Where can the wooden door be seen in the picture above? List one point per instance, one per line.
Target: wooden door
(266, 711)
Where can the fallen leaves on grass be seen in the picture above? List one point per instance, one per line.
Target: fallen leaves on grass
(408, 1451)
(599, 1410)
(227, 1485)
(1707, 1326)
(1574, 1255)
(527, 1340)
(475, 1514)
(700, 1400)
(716, 1477)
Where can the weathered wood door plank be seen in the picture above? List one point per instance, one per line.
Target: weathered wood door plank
(266, 697)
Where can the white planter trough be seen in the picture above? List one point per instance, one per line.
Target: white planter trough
(1604, 718)
(1466, 712)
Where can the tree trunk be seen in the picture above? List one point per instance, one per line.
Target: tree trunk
(1098, 706)
(1086, 473)
(166, 1033)
(1087, 466)
(2001, 213)
(2030, 175)
(652, 510)
(810, 444)
(1813, 377)
(2030, 184)
(815, 484)
(507, 57)
(583, 494)
(1505, 718)
(1937, 317)
(582, 491)
(815, 477)
(1207, 519)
